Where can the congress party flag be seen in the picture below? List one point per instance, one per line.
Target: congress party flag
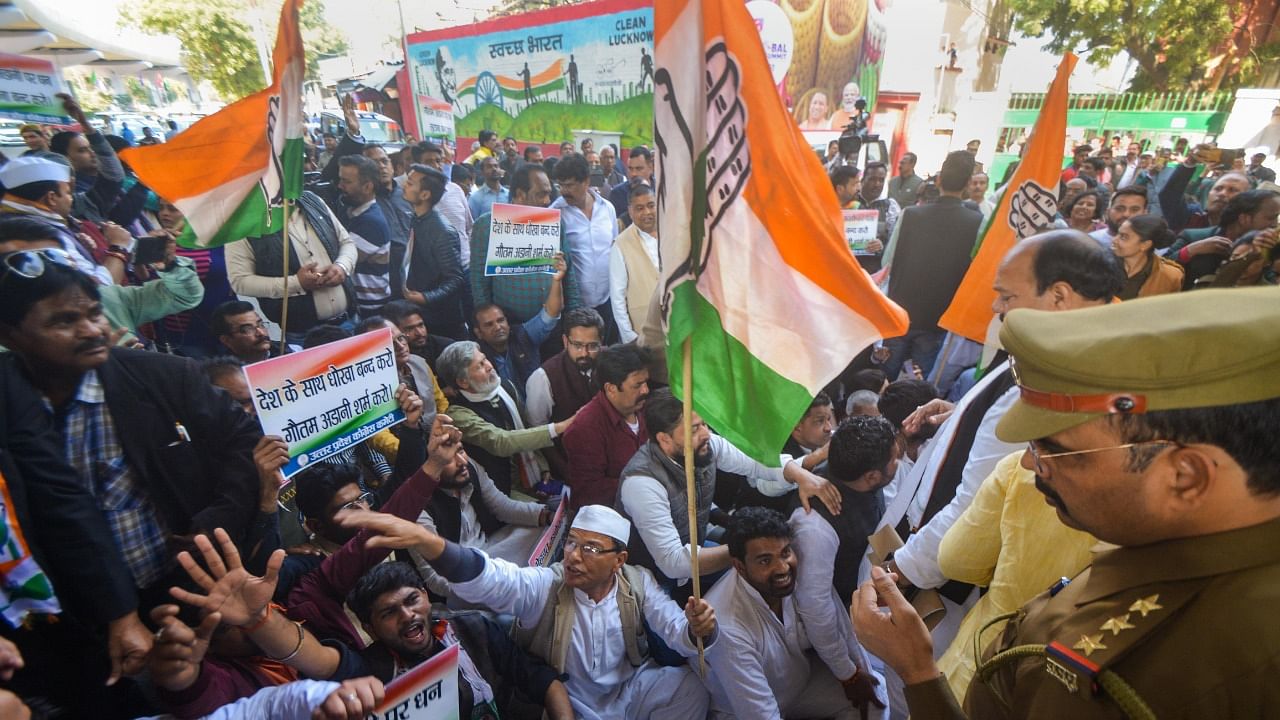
(756, 272)
(1028, 204)
(231, 172)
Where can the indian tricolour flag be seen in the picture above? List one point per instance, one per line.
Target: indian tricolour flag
(756, 272)
(231, 172)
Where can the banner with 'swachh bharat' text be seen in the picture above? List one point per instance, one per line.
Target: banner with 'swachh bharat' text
(427, 692)
(328, 398)
(523, 240)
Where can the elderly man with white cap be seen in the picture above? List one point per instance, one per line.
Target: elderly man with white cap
(585, 617)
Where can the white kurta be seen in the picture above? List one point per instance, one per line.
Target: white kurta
(602, 683)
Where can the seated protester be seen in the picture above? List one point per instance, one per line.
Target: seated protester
(424, 344)
(317, 598)
(862, 402)
(389, 602)
(468, 509)
(323, 335)
(810, 439)
(652, 491)
(1202, 251)
(491, 417)
(165, 454)
(763, 666)
(73, 622)
(241, 330)
(32, 223)
(609, 430)
(515, 351)
(863, 459)
(227, 372)
(413, 370)
(558, 390)
(586, 617)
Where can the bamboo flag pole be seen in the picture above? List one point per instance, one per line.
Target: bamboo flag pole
(691, 489)
(284, 309)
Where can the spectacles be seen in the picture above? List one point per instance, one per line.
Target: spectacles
(31, 264)
(588, 549)
(364, 502)
(1040, 457)
(248, 329)
(589, 347)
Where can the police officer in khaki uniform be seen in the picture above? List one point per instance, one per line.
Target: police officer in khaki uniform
(1155, 426)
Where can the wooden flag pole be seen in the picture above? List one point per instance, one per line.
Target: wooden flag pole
(691, 489)
(284, 308)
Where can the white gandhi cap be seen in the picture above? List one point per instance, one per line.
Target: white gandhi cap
(603, 520)
(26, 170)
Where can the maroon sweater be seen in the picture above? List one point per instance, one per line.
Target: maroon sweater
(599, 444)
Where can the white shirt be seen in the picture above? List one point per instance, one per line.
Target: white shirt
(291, 701)
(618, 283)
(1103, 236)
(454, 208)
(596, 662)
(538, 402)
(510, 512)
(588, 243)
(758, 665)
(645, 500)
(918, 559)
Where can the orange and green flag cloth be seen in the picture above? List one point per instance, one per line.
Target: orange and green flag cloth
(231, 173)
(1027, 206)
(756, 271)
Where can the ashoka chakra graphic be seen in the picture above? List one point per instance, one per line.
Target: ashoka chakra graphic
(487, 90)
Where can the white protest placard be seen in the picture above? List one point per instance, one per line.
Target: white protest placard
(522, 240)
(860, 229)
(328, 398)
(427, 692)
(28, 87)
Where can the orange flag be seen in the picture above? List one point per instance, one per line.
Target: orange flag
(1028, 204)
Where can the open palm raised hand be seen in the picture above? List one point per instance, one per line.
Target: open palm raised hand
(230, 590)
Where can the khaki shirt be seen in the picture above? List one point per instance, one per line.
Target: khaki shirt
(305, 245)
(1189, 624)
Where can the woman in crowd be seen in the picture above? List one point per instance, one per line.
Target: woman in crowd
(1146, 273)
(1082, 212)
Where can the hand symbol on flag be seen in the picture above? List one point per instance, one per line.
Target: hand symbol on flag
(1031, 209)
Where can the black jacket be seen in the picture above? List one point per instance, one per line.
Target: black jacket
(935, 244)
(67, 534)
(435, 270)
(206, 483)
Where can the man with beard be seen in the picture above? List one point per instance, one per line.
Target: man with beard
(863, 460)
(887, 209)
(652, 492)
(517, 352)
(1174, 469)
(763, 667)
(608, 430)
(365, 222)
(1127, 202)
(241, 330)
(586, 617)
(468, 509)
(558, 390)
(488, 412)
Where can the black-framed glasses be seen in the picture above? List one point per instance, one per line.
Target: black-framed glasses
(1038, 457)
(588, 548)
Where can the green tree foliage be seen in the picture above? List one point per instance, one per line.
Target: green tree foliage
(1170, 40)
(218, 40)
(516, 7)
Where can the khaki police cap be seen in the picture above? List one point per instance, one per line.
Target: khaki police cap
(1182, 350)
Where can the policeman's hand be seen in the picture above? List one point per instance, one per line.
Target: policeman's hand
(10, 659)
(889, 628)
(410, 405)
(810, 486)
(174, 662)
(354, 699)
(861, 690)
(1216, 245)
(932, 413)
(128, 642)
(702, 618)
(310, 278)
(230, 590)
